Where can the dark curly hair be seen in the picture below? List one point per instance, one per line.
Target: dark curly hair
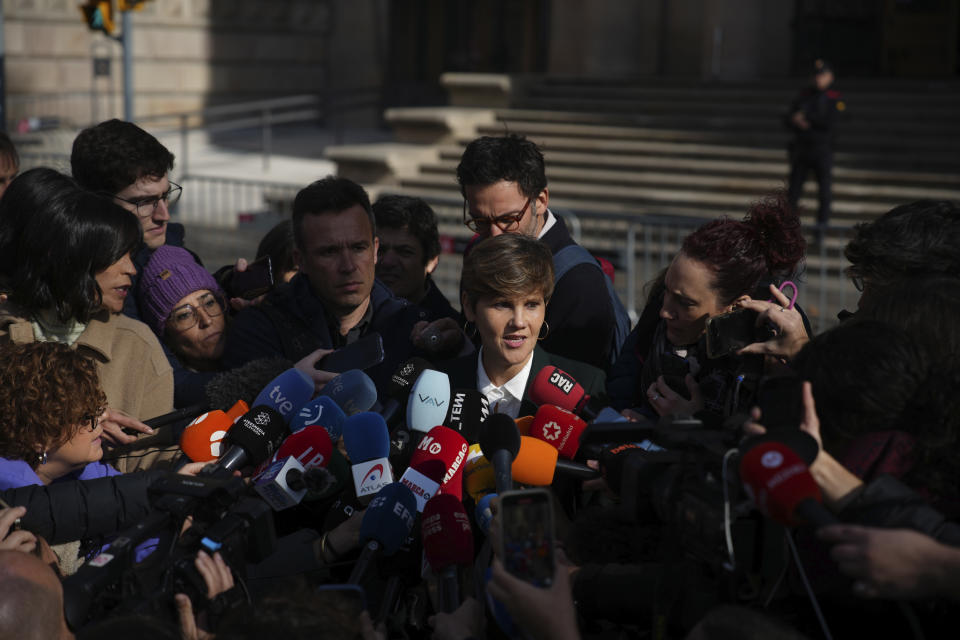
(412, 214)
(745, 256)
(114, 154)
(914, 239)
(329, 195)
(510, 158)
(47, 390)
(55, 238)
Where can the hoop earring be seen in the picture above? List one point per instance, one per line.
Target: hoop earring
(42, 459)
(543, 335)
(470, 333)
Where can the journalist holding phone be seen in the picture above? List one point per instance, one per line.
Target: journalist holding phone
(664, 366)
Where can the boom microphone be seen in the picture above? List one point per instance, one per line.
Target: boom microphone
(367, 442)
(447, 544)
(559, 428)
(352, 390)
(500, 443)
(386, 524)
(781, 486)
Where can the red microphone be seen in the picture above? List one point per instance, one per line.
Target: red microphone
(310, 446)
(202, 438)
(436, 460)
(447, 544)
(557, 387)
(454, 486)
(559, 428)
(780, 484)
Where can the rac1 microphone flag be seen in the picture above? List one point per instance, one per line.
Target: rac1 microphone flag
(367, 442)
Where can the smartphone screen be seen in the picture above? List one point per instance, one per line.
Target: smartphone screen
(255, 281)
(526, 520)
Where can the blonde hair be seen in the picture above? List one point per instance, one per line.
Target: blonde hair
(507, 266)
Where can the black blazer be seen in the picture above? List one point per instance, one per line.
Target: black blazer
(463, 375)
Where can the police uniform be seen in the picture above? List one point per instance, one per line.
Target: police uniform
(812, 148)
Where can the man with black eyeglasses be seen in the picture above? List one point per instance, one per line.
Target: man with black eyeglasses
(121, 160)
(504, 186)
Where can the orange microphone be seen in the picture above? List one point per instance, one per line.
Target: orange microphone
(202, 437)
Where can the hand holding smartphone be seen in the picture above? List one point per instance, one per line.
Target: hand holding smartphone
(526, 535)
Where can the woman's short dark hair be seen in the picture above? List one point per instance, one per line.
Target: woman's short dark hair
(412, 214)
(766, 246)
(507, 265)
(56, 238)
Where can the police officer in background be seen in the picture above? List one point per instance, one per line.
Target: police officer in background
(813, 117)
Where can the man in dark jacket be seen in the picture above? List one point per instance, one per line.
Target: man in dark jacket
(334, 300)
(504, 185)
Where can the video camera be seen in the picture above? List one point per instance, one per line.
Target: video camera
(122, 579)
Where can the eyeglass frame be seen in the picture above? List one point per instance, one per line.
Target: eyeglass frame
(92, 419)
(513, 219)
(165, 197)
(196, 311)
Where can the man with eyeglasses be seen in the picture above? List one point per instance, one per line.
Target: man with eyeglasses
(121, 160)
(504, 186)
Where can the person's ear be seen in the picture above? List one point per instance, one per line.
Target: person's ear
(431, 265)
(543, 200)
(376, 249)
(468, 310)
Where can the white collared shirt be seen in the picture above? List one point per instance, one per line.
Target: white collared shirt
(548, 221)
(508, 397)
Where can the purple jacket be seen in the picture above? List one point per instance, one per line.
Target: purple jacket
(17, 473)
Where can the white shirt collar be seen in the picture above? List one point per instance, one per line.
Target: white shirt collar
(508, 397)
(548, 221)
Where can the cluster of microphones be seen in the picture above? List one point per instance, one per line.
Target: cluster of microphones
(424, 464)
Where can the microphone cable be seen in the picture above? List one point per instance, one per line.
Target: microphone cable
(727, 523)
(806, 585)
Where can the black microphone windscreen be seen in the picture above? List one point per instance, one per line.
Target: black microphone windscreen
(259, 432)
(469, 409)
(403, 378)
(243, 383)
(499, 431)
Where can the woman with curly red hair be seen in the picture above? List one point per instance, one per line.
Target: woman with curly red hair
(663, 368)
(50, 409)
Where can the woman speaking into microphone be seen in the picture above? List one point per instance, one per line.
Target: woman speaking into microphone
(506, 283)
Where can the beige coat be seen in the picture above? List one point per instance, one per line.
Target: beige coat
(134, 372)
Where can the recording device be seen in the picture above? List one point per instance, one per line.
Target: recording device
(387, 522)
(500, 443)
(729, 332)
(526, 535)
(555, 386)
(250, 441)
(362, 354)
(321, 411)
(251, 283)
(353, 391)
(367, 442)
(435, 461)
(781, 402)
(447, 544)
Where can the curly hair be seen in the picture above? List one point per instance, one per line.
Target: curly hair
(510, 158)
(46, 391)
(505, 266)
(114, 154)
(745, 256)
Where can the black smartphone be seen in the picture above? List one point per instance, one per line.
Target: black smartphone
(255, 281)
(674, 370)
(526, 535)
(730, 332)
(781, 402)
(362, 354)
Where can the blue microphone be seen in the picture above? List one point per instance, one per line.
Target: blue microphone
(484, 513)
(286, 393)
(429, 401)
(322, 411)
(352, 390)
(386, 524)
(367, 442)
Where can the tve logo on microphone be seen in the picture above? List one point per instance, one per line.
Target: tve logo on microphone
(561, 382)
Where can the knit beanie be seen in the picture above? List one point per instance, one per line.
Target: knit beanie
(171, 274)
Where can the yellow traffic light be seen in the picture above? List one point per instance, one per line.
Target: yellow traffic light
(98, 15)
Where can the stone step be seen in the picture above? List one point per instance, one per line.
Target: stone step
(735, 183)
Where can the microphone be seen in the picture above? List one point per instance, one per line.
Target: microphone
(447, 544)
(284, 483)
(286, 393)
(244, 382)
(203, 438)
(386, 523)
(435, 461)
(367, 442)
(484, 513)
(322, 411)
(454, 486)
(253, 439)
(500, 442)
(399, 385)
(523, 424)
(559, 428)
(429, 401)
(311, 447)
(557, 387)
(468, 410)
(478, 476)
(779, 483)
(352, 390)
